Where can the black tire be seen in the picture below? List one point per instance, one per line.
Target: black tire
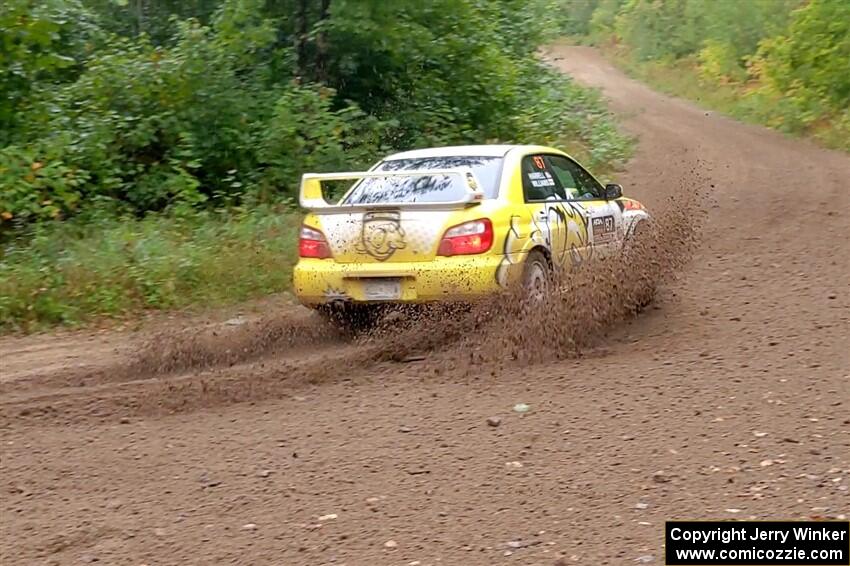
(639, 232)
(536, 276)
(350, 318)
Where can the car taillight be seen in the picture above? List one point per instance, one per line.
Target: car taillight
(312, 243)
(468, 238)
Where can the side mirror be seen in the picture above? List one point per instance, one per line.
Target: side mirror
(613, 191)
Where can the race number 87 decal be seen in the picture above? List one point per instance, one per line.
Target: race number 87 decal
(603, 228)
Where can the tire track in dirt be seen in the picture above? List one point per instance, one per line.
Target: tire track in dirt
(163, 370)
(255, 360)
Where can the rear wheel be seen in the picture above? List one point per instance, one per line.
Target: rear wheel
(350, 318)
(536, 277)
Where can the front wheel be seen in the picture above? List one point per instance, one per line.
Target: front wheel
(636, 252)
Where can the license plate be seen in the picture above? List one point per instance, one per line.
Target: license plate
(381, 289)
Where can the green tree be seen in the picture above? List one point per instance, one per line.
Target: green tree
(173, 111)
(154, 18)
(810, 63)
(42, 44)
(657, 28)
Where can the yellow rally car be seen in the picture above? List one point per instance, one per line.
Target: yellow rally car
(453, 224)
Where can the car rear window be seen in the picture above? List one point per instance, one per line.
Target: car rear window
(433, 188)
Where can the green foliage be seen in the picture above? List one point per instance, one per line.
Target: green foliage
(604, 18)
(656, 29)
(586, 129)
(413, 63)
(719, 62)
(305, 133)
(738, 26)
(38, 185)
(69, 272)
(786, 62)
(157, 112)
(810, 63)
(242, 106)
(42, 43)
(155, 126)
(574, 17)
(154, 18)
(149, 127)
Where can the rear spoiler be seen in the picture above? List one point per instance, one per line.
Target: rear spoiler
(311, 197)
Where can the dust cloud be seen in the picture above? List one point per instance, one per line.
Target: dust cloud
(223, 346)
(582, 305)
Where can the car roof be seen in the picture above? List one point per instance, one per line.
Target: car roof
(495, 150)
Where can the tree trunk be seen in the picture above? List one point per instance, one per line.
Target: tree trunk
(322, 43)
(302, 30)
(139, 9)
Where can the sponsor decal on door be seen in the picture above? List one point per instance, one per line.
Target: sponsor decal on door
(604, 229)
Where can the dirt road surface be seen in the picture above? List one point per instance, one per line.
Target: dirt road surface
(730, 399)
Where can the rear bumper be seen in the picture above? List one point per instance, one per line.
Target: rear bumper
(322, 281)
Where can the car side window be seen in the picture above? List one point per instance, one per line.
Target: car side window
(577, 183)
(538, 181)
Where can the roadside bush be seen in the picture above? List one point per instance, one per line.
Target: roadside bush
(586, 128)
(37, 184)
(70, 272)
(224, 111)
(810, 63)
(782, 63)
(154, 127)
(44, 43)
(130, 130)
(305, 133)
(719, 62)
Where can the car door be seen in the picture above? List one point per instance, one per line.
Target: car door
(556, 224)
(604, 218)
